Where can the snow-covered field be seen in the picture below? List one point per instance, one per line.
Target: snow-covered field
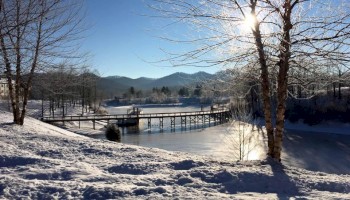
(40, 161)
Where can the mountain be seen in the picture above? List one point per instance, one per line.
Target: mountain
(119, 84)
(180, 79)
(129, 81)
(111, 87)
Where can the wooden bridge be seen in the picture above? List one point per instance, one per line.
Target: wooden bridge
(186, 118)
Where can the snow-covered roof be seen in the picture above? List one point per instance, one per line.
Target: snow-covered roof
(3, 81)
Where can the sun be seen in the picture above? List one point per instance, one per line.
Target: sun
(250, 21)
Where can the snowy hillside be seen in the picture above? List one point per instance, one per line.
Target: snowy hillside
(40, 161)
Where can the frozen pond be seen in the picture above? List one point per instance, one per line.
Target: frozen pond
(202, 139)
(328, 152)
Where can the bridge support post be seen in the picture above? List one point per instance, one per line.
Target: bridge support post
(161, 122)
(203, 121)
(192, 119)
(183, 121)
(172, 123)
(149, 122)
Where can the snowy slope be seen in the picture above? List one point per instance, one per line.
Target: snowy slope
(40, 161)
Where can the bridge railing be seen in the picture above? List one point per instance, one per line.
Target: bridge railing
(128, 116)
(86, 117)
(179, 114)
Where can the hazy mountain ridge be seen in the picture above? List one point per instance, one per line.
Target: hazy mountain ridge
(129, 81)
(180, 79)
(121, 83)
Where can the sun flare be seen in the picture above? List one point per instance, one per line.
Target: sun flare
(250, 21)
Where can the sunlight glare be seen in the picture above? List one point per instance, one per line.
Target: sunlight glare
(250, 21)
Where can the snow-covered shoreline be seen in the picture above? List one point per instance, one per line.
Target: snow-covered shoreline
(324, 147)
(40, 161)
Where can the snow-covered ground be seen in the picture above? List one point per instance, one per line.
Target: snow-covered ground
(324, 147)
(325, 127)
(41, 161)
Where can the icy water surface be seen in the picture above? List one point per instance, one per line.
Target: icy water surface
(306, 149)
(203, 139)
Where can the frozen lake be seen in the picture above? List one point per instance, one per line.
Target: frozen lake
(328, 152)
(198, 138)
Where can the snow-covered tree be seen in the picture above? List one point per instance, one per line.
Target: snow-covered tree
(35, 35)
(273, 35)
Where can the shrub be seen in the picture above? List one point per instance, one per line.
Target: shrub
(292, 116)
(113, 133)
(314, 117)
(101, 111)
(295, 112)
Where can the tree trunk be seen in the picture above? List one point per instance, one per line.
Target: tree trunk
(9, 79)
(264, 84)
(53, 107)
(299, 92)
(24, 106)
(339, 91)
(282, 79)
(252, 107)
(27, 86)
(62, 106)
(339, 84)
(281, 108)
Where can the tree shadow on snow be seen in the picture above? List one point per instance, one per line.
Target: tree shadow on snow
(328, 153)
(3, 125)
(278, 183)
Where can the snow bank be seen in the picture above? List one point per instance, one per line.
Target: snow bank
(40, 161)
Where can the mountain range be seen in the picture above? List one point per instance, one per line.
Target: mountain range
(120, 84)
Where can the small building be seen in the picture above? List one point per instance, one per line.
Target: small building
(4, 89)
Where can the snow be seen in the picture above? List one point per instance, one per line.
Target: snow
(325, 127)
(41, 161)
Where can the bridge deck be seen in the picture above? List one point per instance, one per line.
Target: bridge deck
(135, 116)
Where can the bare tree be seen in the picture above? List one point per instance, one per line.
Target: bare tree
(35, 35)
(67, 87)
(275, 35)
(88, 89)
(242, 137)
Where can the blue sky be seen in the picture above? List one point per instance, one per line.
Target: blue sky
(121, 40)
